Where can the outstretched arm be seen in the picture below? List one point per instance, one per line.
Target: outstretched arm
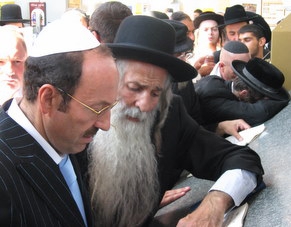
(210, 212)
(229, 190)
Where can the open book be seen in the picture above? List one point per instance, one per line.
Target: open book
(248, 135)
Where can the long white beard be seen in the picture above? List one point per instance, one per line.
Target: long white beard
(123, 170)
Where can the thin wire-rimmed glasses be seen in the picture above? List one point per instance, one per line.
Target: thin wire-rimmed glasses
(98, 112)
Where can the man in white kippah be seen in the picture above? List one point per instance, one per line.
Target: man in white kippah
(70, 85)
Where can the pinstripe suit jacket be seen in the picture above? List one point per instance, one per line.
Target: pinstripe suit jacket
(33, 191)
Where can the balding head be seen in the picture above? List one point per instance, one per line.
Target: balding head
(232, 50)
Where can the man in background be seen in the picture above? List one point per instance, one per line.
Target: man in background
(255, 95)
(106, 19)
(13, 53)
(185, 19)
(232, 50)
(252, 36)
(234, 18)
(11, 14)
(196, 13)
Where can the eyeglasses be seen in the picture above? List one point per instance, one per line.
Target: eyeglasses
(185, 55)
(98, 112)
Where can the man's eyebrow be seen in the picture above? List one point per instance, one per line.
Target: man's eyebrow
(159, 88)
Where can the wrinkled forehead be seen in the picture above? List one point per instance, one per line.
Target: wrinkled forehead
(145, 73)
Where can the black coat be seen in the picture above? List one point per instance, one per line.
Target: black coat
(187, 91)
(33, 191)
(186, 145)
(218, 103)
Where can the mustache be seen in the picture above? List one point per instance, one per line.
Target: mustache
(91, 132)
(135, 113)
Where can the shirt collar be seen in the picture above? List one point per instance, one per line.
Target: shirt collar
(17, 115)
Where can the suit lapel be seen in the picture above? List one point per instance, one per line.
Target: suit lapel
(51, 187)
(41, 172)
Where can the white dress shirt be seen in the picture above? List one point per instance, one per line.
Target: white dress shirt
(17, 115)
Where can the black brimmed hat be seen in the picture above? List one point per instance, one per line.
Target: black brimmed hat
(183, 42)
(235, 14)
(208, 15)
(262, 77)
(260, 21)
(11, 13)
(150, 40)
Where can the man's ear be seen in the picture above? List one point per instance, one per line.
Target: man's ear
(262, 41)
(243, 94)
(97, 36)
(221, 66)
(49, 98)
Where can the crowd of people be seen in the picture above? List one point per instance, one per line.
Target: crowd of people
(99, 119)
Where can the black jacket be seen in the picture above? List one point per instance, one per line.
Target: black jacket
(218, 103)
(186, 145)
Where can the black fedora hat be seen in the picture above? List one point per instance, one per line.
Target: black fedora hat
(235, 14)
(208, 15)
(260, 21)
(150, 40)
(11, 13)
(262, 77)
(183, 42)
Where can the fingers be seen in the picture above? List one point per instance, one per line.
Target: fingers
(172, 195)
(177, 191)
(237, 136)
(242, 125)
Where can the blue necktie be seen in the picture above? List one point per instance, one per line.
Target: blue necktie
(68, 172)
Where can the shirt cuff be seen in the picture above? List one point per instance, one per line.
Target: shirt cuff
(237, 183)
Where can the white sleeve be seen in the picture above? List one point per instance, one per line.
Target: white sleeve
(237, 183)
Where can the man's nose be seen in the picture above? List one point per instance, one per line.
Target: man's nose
(145, 103)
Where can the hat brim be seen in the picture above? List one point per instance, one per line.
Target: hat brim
(216, 17)
(237, 20)
(179, 70)
(15, 21)
(281, 94)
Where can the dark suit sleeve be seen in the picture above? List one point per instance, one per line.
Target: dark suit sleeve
(9, 214)
(186, 145)
(217, 109)
(218, 104)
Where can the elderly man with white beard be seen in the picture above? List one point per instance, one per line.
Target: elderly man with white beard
(152, 139)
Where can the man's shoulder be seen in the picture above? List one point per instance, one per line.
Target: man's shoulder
(209, 83)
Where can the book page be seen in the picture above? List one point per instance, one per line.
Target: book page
(248, 135)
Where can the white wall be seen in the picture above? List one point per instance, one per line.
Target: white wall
(54, 8)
